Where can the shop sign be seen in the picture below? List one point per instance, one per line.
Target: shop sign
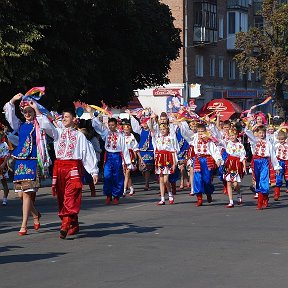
(166, 92)
(240, 94)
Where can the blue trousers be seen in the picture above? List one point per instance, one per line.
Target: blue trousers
(224, 155)
(113, 175)
(175, 176)
(203, 179)
(261, 172)
(281, 175)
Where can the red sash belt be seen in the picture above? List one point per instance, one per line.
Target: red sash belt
(210, 162)
(76, 172)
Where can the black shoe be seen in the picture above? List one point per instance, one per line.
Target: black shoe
(209, 198)
(63, 234)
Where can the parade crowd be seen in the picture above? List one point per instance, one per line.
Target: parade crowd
(176, 146)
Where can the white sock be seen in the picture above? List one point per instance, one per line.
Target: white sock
(170, 194)
(162, 199)
(231, 202)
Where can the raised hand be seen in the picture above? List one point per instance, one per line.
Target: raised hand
(17, 97)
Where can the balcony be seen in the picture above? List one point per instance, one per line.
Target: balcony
(205, 22)
(237, 4)
(203, 35)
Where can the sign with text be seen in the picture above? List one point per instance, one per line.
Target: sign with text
(240, 94)
(166, 92)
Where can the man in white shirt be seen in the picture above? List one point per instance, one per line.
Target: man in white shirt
(73, 151)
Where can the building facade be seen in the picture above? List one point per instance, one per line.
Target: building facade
(208, 33)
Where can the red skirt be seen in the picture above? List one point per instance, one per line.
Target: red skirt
(233, 165)
(164, 160)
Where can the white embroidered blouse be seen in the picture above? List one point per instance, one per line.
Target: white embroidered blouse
(70, 143)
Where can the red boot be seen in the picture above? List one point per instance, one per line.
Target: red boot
(74, 227)
(199, 200)
(265, 200)
(260, 201)
(173, 187)
(276, 193)
(66, 221)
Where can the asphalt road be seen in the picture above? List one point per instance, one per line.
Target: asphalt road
(139, 244)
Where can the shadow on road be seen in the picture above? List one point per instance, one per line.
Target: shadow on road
(106, 229)
(19, 258)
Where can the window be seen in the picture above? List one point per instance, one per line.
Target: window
(249, 76)
(258, 76)
(258, 21)
(212, 66)
(221, 28)
(221, 67)
(199, 66)
(232, 70)
(231, 23)
(240, 75)
(205, 21)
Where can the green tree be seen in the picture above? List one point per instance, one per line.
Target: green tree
(98, 49)
(265, 50)
(17, 35)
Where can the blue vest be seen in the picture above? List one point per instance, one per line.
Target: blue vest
(26, 154)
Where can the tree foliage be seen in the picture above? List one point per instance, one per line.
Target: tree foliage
(265, 50)
(87, 49)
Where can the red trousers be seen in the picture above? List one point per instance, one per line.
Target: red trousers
(68, 186)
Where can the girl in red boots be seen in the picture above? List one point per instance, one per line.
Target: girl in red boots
(234, 166)
(166, 149)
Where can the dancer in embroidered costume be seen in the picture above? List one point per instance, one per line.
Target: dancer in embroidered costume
(145, 146)
(234, 166)
(116, 157)
(166, 149)
(207, 156)
(264, 164)
(73, 151)
(281, 150)
(133, 149)
(26, 177)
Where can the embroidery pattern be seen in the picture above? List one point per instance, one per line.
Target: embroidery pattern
(22, 169)
(67, 143)
(26, 148)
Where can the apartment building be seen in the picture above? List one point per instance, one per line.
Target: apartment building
(209, 29)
